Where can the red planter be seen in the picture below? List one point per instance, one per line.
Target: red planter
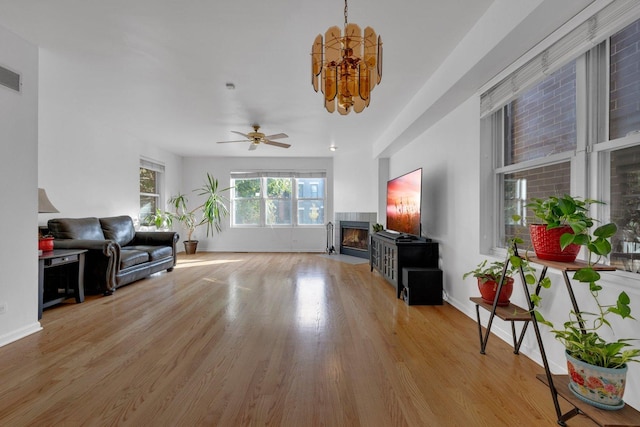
(489, 288)
(45, 244)
(546, 243)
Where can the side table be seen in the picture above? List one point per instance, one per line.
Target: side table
(60, 276)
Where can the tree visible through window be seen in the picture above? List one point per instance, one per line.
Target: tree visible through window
(264, 199)
(150, 189)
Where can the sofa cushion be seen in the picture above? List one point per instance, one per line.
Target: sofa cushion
(119, 229)
(131, 257)
(76, 228)
(155, 252)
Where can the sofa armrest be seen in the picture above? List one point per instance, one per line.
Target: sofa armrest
(106, 247)
(101, 263)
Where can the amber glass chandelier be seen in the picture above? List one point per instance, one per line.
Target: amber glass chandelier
(347, 66)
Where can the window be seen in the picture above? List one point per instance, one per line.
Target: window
(151, 184)
(281, 199)
(278, 201)
(246, 201)
(538, 139)
(575, 130)
(310, 201)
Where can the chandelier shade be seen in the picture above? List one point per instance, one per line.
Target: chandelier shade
(347, 66)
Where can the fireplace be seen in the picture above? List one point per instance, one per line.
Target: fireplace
(354, 238)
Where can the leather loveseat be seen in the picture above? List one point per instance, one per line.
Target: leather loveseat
(117, 253)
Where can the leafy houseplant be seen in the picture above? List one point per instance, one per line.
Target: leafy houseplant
(211, 211)
(161, 219)
(580, 334)
(489, 276)
(565, 225)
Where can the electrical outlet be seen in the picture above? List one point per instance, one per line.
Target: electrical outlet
(3, 308)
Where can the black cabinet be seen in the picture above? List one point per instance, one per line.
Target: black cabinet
(389, 256)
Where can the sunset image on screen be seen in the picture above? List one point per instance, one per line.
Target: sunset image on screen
(403, 203)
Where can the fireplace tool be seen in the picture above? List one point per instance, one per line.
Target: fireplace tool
(330, 248)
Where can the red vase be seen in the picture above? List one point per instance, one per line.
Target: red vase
(489, 289)
(546, 243)
(45, 244)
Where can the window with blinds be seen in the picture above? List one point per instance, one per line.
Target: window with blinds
(568, 122)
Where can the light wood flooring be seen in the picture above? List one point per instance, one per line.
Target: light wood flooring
(242, 339)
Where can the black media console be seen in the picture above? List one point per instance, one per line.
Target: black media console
(391, 253)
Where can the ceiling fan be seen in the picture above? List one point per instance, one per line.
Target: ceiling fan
(256, 138)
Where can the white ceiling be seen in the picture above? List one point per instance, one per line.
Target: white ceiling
(157, 69)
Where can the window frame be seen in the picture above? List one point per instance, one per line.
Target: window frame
(264, 198)
(159, 169)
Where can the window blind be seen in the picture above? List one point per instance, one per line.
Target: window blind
(278, 174)
(612, 18)
(151, 165)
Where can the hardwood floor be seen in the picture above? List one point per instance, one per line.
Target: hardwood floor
(237, 339)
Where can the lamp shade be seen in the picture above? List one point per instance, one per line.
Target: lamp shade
(44, 205)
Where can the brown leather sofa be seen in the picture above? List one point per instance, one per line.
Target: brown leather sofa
(117, 253)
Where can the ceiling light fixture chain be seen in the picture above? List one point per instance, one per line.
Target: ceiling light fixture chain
(346, 66)
(346, 11)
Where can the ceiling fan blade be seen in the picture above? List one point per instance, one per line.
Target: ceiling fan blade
(253, 146)
(240, 133)
(277, 136)
(240, 140)
(277, 144)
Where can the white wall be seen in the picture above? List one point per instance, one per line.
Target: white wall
(19, 177)
(270, 239)
(355, 178)
(87, 166)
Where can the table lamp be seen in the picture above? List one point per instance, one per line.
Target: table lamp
(45, 243)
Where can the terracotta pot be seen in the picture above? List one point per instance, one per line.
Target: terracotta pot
(489, 288)
(190, 246)
(600, 387)
(546, 243)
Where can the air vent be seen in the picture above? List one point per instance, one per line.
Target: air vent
(9, 79)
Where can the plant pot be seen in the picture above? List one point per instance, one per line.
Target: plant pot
(600, 387)
(45, 244)
(190, 246)
(489, 288)
(546, 243)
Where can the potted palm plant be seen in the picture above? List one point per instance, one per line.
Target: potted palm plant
(209, 213)
(565, 221)
(597, 367)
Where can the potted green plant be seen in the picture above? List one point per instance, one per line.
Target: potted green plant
(565, 221)
(209, 213)
(597, 367)
(489, 275)
(162, 220)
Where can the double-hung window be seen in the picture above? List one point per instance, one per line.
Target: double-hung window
(567, 122)
(277, 198)
(151, 188)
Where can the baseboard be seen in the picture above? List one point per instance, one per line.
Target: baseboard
(20, 333)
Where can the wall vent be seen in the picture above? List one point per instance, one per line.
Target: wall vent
(9, 79)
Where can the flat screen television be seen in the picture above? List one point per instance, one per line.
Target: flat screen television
(404, 201)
